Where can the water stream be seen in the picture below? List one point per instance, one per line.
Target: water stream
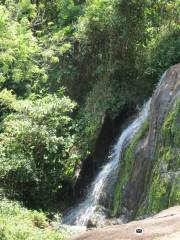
(86, 209)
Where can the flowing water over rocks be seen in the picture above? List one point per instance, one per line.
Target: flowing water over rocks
(89, 211)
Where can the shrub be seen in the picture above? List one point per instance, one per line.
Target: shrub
(18, 223)
(36, 147)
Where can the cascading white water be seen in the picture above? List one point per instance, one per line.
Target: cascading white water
(81, 214)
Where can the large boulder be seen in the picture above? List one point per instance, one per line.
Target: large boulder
(163, 226)
(150, 169)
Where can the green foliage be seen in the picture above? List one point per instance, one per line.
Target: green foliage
(56, 37)
(37, 147)
(93, 112)
(92, 26)
(165, 52)
(58, 12)
(20, 58)
(18, 223)
(36, 44)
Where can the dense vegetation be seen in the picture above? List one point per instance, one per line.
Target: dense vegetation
(64, 65)
(35, 147)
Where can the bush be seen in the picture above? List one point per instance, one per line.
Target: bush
(18, 223)
(36, 147)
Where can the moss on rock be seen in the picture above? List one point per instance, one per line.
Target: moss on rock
(163, 189)
(164, 186)
(126, 169)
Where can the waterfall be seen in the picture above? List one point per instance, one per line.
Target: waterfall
(85, 210)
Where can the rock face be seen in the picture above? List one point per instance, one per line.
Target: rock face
(163, 226)
(90, 165)
(150, 169)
